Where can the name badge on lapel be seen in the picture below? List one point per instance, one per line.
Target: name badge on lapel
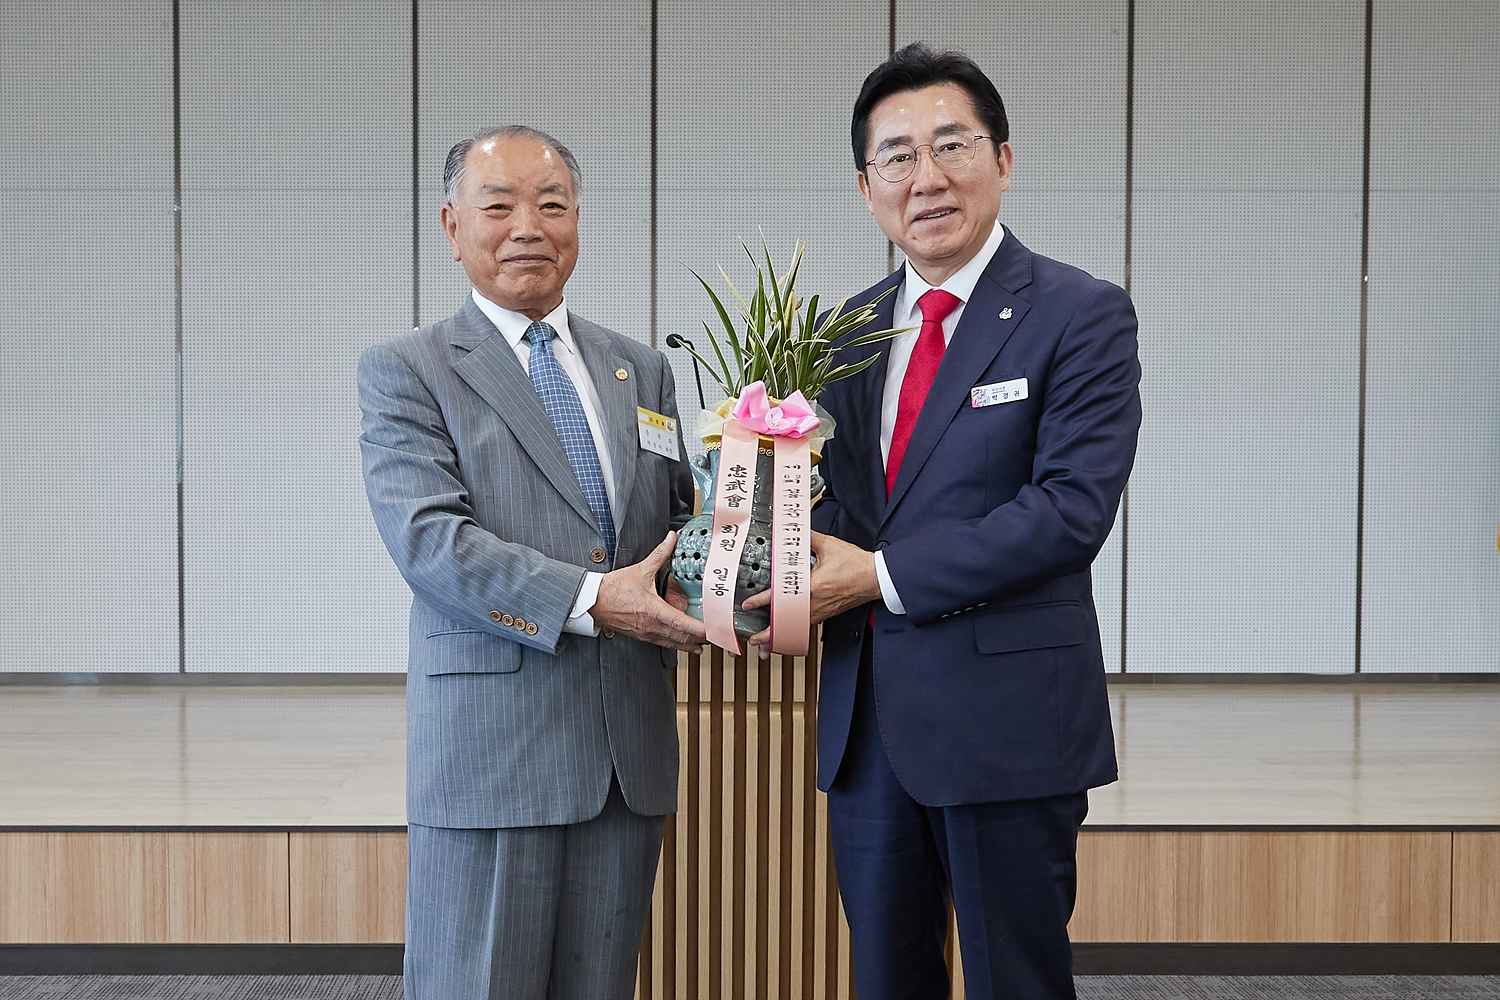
(658, 433)
(998, 392)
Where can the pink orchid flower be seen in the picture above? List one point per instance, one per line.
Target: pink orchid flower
(794, 418)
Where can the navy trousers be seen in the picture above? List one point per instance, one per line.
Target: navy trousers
(1007, 867)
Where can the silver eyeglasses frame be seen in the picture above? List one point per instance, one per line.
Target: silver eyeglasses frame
(951, 151)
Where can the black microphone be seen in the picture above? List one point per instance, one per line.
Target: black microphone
(678, 340)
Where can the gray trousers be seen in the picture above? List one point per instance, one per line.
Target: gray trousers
(534, 913)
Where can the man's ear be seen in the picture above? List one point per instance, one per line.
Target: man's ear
(1005, 158)
(449, 217)
(863, 183)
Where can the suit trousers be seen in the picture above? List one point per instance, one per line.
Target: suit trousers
(1008, 869)
(532, 913)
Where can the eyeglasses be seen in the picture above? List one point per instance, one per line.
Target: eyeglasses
(897, 162)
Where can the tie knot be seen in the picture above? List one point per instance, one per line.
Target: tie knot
(539, 333)
(936, 304)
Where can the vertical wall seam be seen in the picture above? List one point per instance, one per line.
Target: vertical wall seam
(1126, 274)
(416, 176)
(890, 50)
(651, 228)
(179, 373)
(1364, 328)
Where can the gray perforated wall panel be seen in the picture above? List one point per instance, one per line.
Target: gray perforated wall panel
(298, 171)
(88, 565)
(1245, 273)
(1432, 571)
(297, 254)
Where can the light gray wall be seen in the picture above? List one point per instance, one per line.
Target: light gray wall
(88, 499)
(1241, 246)
(1432, 572)
(296, 173)
(1245, 276)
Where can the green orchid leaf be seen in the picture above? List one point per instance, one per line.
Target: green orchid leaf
(844, 371)
(712, 371)
(713, 342)
(729, 328)
(876, 337)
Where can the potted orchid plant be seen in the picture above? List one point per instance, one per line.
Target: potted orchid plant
(757, 478)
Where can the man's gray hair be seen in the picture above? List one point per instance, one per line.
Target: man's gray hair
(453, 169)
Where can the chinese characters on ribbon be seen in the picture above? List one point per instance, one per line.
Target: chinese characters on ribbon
(732, 496)
(791, 526)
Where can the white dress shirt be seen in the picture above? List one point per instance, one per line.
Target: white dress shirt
(961, 285)
(512, 326)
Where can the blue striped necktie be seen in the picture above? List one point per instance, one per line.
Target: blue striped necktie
(560, 398)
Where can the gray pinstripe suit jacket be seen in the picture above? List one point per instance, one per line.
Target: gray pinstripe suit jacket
(508, 724)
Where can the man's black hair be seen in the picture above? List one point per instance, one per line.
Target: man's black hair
(917, 66)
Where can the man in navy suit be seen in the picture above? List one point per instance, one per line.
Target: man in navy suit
(976, 472)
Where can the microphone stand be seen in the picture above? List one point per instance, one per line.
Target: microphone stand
(678, 340)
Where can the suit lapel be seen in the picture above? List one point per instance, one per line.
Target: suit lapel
(980, 336)
(491, 369)
(617, 399)
(869, 390)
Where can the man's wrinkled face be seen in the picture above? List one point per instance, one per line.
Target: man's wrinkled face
(513, 223)
(940, 215)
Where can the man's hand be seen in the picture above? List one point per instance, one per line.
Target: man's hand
(628, 604)
(844, 578)
(675, 595)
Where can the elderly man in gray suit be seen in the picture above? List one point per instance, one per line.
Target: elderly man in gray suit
(508, 478)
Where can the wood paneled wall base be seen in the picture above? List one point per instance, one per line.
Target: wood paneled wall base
(1476, 887)
(143, 888)
(1227, 886)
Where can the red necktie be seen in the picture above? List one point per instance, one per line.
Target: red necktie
(921, 370)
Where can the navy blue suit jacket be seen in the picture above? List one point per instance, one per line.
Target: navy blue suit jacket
(991, 686)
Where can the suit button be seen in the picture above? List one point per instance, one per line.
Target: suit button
(597, 554)
(495, 616)
(531, 628)
(521, 624)
(507, 620)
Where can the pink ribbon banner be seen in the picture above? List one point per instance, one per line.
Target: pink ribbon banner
(788, 425)
(791, 530)
(733, 493)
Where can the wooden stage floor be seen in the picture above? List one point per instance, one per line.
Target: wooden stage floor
(1220, 755)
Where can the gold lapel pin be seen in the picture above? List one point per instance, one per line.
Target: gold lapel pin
(1006, 313)
(622, 375)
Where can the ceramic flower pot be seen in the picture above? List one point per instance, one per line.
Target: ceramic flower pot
(755, 561)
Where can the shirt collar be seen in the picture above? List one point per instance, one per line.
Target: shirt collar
(960, 283)
(513, 325)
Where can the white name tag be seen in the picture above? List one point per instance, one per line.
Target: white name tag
(997, 392)
(658, 433)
